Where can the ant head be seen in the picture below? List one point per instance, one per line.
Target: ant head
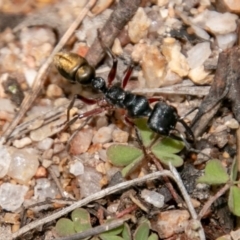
(74, 68)
(99, 83)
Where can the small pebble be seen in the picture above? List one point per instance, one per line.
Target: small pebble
(12, 218)
(233, 124)
(229, 5)
(81, 141)
(46, 163)
(200, 76)
(48, 154)
(6, 105)
(58, 147)
(113, 207)
(215, 22)
(101, 121)
(45, 188)
(12, 196)
(171, 222)
(76, 168)
(117, 48)
(162, 3)
(153, 67)
(45, 144)
(226, 41)
(41, 172)
(120, 136)
(5, 160)
(64, 137)
(195, 203)
(30, 75)
(198, 54)
(152, 197)
(24, 164)
(177, 62)
(90, 182)
(54, 91)
(15, 227)
(235, 234)
(103, 135)
(101, 168)
(138, 26)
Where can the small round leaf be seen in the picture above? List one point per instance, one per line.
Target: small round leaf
(81, 219)
(166, 158)
(233, 200)
(215, 173)
(168, 145)
(65, 227)
(146, 134)
(142, 231)
(122, 155)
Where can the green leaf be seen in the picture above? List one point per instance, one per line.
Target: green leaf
(145, 132)
(65, 227)
(126, 233)
(132, 166)
(166, 158)
(153, 236)
(168, 145)
(122, 155)
(233, 200)
(114, 231)
(111, 237)
(142, 231)
(234, 170)
(81, 219)
(215, 173)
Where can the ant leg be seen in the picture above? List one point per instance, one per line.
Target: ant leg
(83, 115)
(91, 112)
(85, 100)
(70, 106)
(154, 99)
(188, 130)
(112, 73)
(127, 75)
(192, 110)
(187, 145)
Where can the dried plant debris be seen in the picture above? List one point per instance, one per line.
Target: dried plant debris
(13, 88)
(83, 170)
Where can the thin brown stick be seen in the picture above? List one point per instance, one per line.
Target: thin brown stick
(212, 199)
(116, 22)
(41, 76)
(167, 180)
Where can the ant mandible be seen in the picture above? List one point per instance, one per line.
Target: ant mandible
(162, 118)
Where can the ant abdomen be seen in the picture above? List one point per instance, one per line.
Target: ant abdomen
(74, 68)
(163, 118)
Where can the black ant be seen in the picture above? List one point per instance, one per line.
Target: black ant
(162, 118)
